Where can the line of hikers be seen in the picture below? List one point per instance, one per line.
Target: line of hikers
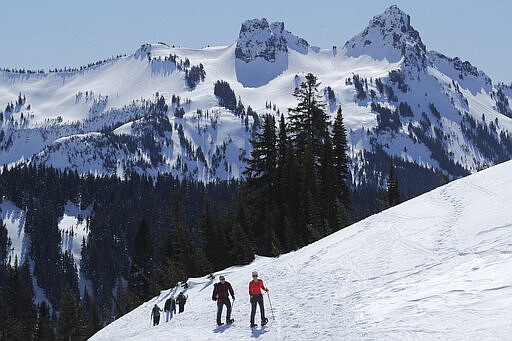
(221, 292)
(169, 308)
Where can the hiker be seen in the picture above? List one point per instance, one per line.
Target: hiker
(155, 314)
(221, 292)
(255, 287)
(181, 300)
(169, 308)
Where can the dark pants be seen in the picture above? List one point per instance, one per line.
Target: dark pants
(220, 305)
(257, 299)
(182, 307)
(156, 320)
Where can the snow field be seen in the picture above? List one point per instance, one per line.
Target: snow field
(435, 267)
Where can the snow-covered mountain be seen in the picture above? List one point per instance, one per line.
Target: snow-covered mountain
(155, 111)
(434, 267)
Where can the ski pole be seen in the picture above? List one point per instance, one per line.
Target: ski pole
(270, 302)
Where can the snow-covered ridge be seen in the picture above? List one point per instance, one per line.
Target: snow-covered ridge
(435, 267)
(72, 119)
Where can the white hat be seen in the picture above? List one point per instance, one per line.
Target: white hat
(255, 273)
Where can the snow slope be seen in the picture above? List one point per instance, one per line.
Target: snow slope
(14, 220)
(435, 267)
(73, 228)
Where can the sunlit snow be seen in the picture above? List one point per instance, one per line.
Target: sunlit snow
(435, 267)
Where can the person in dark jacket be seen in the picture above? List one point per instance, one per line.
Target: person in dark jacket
(155, 314)
(221, 292)
(181, 300)
(169, 308)
(255, 287)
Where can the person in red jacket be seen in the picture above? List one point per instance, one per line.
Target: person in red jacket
(221, 292)
(255, 287)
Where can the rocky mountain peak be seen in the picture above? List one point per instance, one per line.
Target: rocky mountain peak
(258, 38)
(391, 36)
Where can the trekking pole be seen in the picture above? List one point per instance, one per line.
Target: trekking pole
(270, 302)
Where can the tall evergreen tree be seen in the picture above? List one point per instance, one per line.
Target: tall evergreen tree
(5, 243)
(341, 164)
(44, 329)
(308, 120)
(141, 267)
(214, 238)
(260, 172)
(91, 316)
(18, 312)
(393, 187)
(241, 250)
(261, 182)
(69, 325)
(185, 250)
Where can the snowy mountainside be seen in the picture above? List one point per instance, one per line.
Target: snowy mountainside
(14, 220)
(434, 267)
(155, 111)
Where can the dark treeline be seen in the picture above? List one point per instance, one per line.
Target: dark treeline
(170, 213)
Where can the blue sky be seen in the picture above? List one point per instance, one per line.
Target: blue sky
(59, 33)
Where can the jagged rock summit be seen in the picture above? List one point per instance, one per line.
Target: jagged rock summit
(389, 36)
(262, 51)
(259, 39)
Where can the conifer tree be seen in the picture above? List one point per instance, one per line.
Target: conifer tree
(329, 189)
(94, 323)
(185, 250)
(44, 329)
(260, 172)
(141, 262)
(393, 187)
(18, 311)
(308, 120)
(241, 250)
(341, 164)
(91, 315)
(172, 273)
(214, 239)
(261, 183)
(69, 324)
(5, 243)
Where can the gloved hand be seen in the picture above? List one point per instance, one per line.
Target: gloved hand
(214, 298)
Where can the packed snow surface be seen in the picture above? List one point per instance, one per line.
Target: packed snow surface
(436, 267)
